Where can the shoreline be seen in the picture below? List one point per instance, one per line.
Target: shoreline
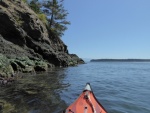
(120, 60)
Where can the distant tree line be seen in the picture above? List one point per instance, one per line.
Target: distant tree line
(52, 13)
(120, 60)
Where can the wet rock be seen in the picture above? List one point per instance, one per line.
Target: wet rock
(14, 66)
(41, 66)
(28, 69)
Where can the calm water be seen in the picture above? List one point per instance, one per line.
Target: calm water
(121, 87)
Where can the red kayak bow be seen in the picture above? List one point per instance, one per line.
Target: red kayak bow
(86, 103)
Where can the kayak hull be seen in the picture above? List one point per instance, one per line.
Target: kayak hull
(86, 103)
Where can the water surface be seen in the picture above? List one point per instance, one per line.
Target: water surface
(34, 93)
(121, 87)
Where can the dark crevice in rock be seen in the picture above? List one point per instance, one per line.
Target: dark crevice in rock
(9, 31)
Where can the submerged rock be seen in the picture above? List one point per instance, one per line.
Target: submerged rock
(6, 107)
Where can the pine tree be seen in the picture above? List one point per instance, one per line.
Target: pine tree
(56, 16)
(35, 6)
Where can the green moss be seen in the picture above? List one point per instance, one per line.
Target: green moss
(43, 18)
(23, 64)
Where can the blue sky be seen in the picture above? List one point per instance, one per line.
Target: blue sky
(108, 28)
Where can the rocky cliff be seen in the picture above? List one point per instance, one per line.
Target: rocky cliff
(26, 42)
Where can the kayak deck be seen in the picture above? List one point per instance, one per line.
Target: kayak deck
(86, 103)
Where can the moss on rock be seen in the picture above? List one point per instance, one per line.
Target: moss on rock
(6, 69)
(22, 64)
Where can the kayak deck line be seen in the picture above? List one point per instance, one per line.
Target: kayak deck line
(86, 103)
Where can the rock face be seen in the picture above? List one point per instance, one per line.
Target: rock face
(22, 34)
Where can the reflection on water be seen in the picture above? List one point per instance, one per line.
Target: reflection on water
(34, 93)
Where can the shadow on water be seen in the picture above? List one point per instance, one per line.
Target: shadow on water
(34, 93)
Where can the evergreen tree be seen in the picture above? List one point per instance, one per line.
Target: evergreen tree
(35, 6)
(56, 16)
